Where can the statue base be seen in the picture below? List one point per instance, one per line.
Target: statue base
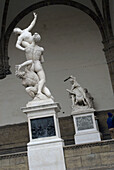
(86, 128)
(37, 102)
(45, 149)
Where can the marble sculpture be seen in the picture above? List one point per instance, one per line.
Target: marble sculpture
(31, 71)
(80, 97)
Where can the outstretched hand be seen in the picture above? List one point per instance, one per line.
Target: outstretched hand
(35, 15)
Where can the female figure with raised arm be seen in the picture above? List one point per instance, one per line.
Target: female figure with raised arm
(25, 34)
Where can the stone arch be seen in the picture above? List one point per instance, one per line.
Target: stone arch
(71, 3)
(41, 4)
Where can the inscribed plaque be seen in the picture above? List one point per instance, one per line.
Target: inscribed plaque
(43, 127)
(84, 122)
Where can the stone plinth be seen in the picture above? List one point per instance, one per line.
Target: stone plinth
(45, 149)
(86, 128)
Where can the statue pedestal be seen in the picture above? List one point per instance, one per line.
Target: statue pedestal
(85, 127)
(45, 149)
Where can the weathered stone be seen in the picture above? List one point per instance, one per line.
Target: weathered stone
(12, 168)
(12, 161)
(73, 162)
(105, 148)
(107, 158)
(68, 153)
(5, 162)
(100, 149)
(77, 151)
(85, 150)
(95, 149)
(25, 160)
(91, 160)
(111, 147)
(19, 160)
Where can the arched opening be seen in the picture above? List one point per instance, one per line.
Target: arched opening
(69, 49)
(48, 3)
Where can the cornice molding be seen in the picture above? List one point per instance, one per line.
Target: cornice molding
(13, 155)
(73, 147)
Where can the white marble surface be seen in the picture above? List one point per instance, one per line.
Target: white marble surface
(87, 135)
(81, 98)
(31, 71)
(46, 156)
(39, 102)
(45, 153)
(42, 111)
(83, 110)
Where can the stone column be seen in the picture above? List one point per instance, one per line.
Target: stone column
(109, 53)
(45, 149)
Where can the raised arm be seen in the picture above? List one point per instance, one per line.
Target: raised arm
(32, 23)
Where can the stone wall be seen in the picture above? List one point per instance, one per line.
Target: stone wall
(100, 155)
(13, 138)
(13, 147)
(67, 130)
(96, 156)
(67, 127)
(16, 161)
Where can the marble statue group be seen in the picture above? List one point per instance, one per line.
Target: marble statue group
(31, 71)
(81, 98)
